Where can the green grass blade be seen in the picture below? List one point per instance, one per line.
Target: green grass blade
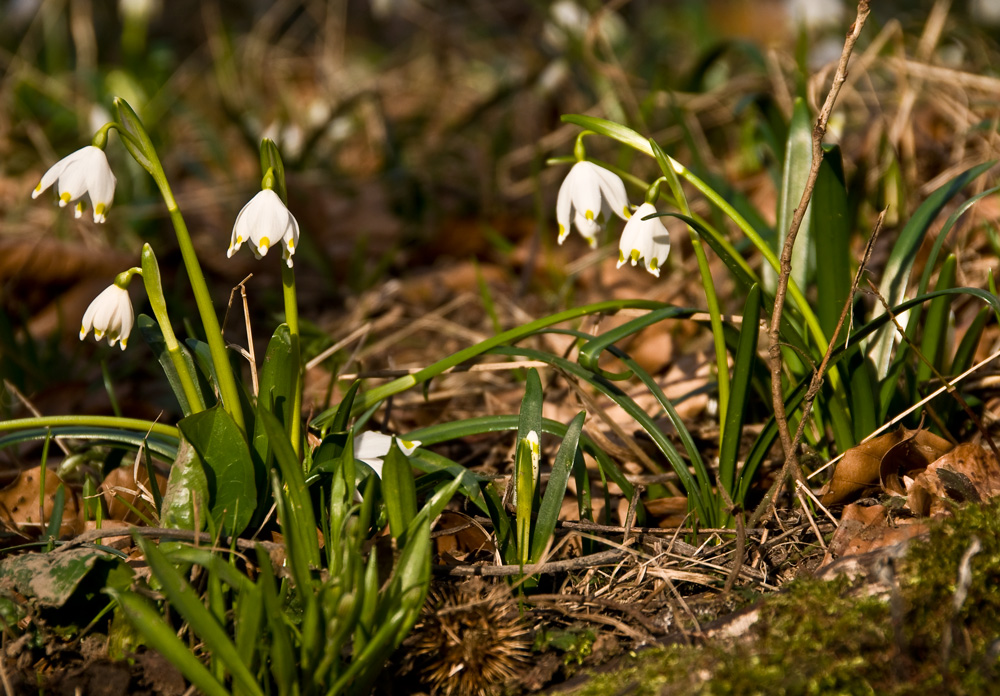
(161, 637)
(897, 270)
(526, 464)
(966, 351)
(935, 333)
(740, 395)
(282, 662)
(204, 624)
(555, 489)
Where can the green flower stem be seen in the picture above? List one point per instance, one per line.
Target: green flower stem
(91, 421)
(203, 300)
(292, 319)
(711, 298)
(373, 396)
(154, 292)
(137, 142)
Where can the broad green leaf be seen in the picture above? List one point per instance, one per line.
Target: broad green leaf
(739, 397)
(52, 578)
(398, 490)
(555, 489)
(897, 270)
(277, 376)
(185, 502)
(831, 230)
(228, 466)
(161, 637)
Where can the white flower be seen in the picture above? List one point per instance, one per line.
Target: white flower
(85, 173)
(370, 447)
(588, 195)
(110, 313)
(265, 221)
(642, 239)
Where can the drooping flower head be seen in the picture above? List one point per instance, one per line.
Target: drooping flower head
(264, 222)
(110, 314)
(645, 240)
(370, 447)
(83, 175)
(587, 197)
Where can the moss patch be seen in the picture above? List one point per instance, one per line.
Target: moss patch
(827, 637)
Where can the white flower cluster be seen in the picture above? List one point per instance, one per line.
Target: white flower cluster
(589, 195)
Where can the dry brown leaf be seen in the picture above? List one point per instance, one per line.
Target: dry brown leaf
(19, 503)
(866, 528)
(910, 457)
(120, 487)
(862, 466)
(968, 473)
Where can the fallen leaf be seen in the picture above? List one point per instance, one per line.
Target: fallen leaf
(124, 491)
(862, 466)
(19, 503)
(968, 473)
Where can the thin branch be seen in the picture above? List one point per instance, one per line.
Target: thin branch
(791, 466)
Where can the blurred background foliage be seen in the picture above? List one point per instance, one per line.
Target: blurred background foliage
(415, 134)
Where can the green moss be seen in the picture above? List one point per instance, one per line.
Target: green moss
(823, 637)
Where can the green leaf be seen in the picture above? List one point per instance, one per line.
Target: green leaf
(966, 351)
(555, 489)
(151, 334)
(277, 375)
(526, 464)
(228, 466)
(739, 397)
(831, 230)
(300, 525)
(932, 345)
(270, 158)
(161, 637)
(155, 442)
(798, 161)
(185, 501)
(52, 578)
(282, 662)
(897, 271)
(611, 129)
(185, 602)
(398, 490)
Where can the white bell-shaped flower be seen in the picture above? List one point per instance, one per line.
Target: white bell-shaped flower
(109, 314)
(370, 447)
(588, 196)
(645, 240)
(85, 174)
(264, 222)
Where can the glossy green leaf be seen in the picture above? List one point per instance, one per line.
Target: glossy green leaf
(185, 502)
(277, 376)
(228, 466)
(156, 443)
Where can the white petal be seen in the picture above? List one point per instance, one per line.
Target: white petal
(564, 208)
(586, 190)
(371, 444)
(613, 192)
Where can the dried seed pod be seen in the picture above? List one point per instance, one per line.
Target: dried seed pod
(470, 640)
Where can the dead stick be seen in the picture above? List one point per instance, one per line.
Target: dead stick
(774, 331)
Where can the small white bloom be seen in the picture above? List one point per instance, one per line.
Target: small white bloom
(370, 447)
(647, 240)
(85, 173)
(587, 196)
(110, 313)
(265, 221)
